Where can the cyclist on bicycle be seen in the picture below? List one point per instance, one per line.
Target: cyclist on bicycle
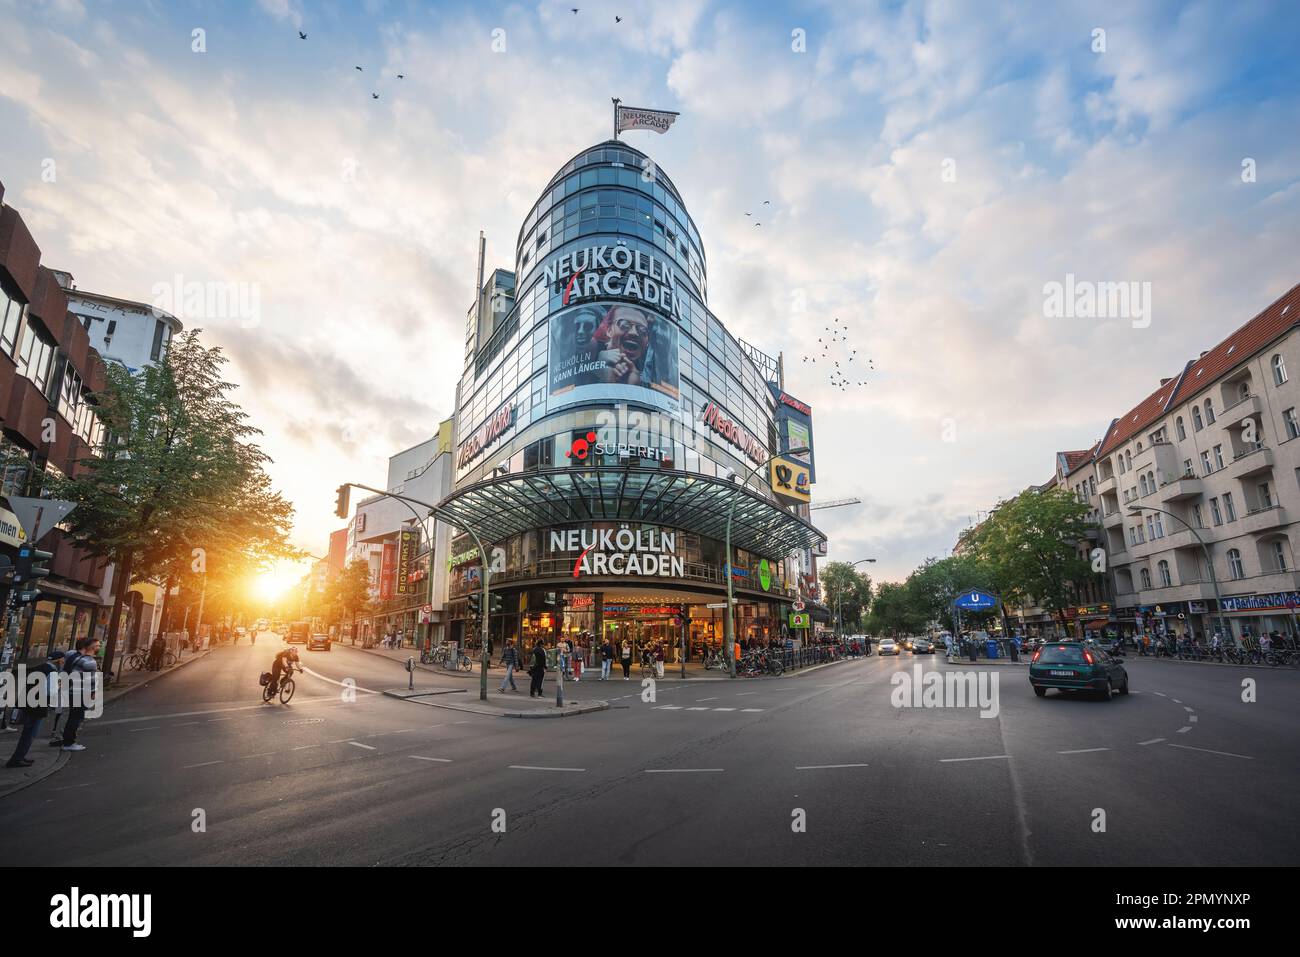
(284, 662)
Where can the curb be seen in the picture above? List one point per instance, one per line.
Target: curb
(59, 761)
(432, 669)
(469, 709)
(113, 695)
(1214, 664)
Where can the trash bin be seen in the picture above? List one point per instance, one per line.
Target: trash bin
(991, 646)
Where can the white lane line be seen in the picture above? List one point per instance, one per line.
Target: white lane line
(261, 708)
(1226, 754)
(1152, 741)
(1191, 718)
(724, 709)
(466, 721)
(151, 728)
(1188, 710)
(697, 708)
(186, 724)
(1161, 693)
(823, 767)
(743, 693)
(682, 770)
(202, 765)
(1184, 729)
(421, 757)
(750, 710)
(529, 767)
(1176, 701)
(1083, 751)
(714, 698)
(988, 757)
(669, 707)
(316, 674)
(69, 787)
(358, 744)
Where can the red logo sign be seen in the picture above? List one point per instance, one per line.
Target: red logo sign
(581, 448)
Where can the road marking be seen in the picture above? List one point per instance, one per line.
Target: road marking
(1176, 701)
(823, 767)
(724, 709)
(186, 724)
(743, 693)
(669, 707)
(153, 728)
(1184, 729)
(989, 757)
(202, 765)
(101, 723)
(358, 744)
(69, 787)
(1226, 754)
(682, 770)
(714, 698)
(750, 710)
(421, 757)
(1161, 693)
(1083, 751)
(1152, 741)
(697, 709)
(358, 687)
(529, 767)
(1188, 710)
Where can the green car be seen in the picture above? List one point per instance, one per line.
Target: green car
(1076, 666)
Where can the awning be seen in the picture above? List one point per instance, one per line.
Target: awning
(498, 508)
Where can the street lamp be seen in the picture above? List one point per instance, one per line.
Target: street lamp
(1136, 510)
(839, 605)
(729, 630)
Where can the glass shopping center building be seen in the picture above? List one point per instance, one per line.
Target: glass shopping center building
(607, 424)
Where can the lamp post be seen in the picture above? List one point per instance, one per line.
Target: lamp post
(839, 605)
(1137, 510)
(729, 629)
(483, 559)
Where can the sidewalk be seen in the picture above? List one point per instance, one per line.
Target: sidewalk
(46, 760)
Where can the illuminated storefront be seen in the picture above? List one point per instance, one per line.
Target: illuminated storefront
(607, 424)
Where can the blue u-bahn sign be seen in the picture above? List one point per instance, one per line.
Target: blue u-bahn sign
(975, 599)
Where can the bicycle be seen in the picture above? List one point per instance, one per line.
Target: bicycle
(715, 659)
(647, 667)
(169, 659)
(465, 663)
(284, 690)
(135, 660)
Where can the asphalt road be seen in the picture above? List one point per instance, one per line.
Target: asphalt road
(710, 772)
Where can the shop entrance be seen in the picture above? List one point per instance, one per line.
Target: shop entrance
(645, 633)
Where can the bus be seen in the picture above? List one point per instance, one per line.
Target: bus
(299, 632)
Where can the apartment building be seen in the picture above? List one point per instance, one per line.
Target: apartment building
(1199, 485)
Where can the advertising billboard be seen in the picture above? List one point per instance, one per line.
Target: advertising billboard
(794, 427)
(603, 351)
(790, 479)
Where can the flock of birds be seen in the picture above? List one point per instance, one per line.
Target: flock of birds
(839, 374)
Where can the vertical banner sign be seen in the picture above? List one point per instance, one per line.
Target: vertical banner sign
(405, 557)
(387, 570)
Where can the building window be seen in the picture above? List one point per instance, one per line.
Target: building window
(1160, 529)
(1196, 419)
(1218, 456)
(1151, 481)
(1188, 471)
(1279, 369)
(1128, 460)
(1235, 568)
(1214, 511)
(11, 322)
(1265, 495)
(1142, 484)
(1182, 430)
(1165, 580)
(1292, 423)
(1197, 519)
(1145, 576)
(1209, 412)
(1206, 467)
(1279, 556)
(35, 357)
(1243, 391)
(1229, 507)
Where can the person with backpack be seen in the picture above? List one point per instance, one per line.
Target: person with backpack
(81, 665)
(33, 716)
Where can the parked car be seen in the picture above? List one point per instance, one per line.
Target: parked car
(1077, 666)
(318, 642)
(888, 646)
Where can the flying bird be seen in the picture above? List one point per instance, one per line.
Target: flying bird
(374, 96)
(575, 9)
(301, 35)
(618, 19)
(767, 202)
(401, 76)
(758, 224)
(749, 214)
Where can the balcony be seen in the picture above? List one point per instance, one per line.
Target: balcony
(1113, 519)
(1231, 416)
(1181, 488)
(1107, 485)
(1251, 462)
(1191, 590)
(1264, 519)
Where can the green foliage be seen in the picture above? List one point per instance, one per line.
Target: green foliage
(842, 582)
(935, 584)
(894, 611)
(349, 593)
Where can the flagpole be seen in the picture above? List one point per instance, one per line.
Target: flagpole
(616, 103)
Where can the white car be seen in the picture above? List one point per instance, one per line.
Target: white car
(887, 646)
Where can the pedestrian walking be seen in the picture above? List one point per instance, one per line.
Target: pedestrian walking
(510, 659)
(156, 650)
(81, 665)
(659, 661)
(625, 659)
(538, 669)
(33, 716)
(606, 659)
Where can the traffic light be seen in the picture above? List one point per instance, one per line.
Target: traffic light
(494, 603)
(475, 604)
(343, 493)
(29, 564)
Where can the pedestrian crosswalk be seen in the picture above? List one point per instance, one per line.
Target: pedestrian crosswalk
(678, 707)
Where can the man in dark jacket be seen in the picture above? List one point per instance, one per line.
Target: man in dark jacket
(509, 658)
(538, 670)
(81, 665)
(33, 716)
(606, 659)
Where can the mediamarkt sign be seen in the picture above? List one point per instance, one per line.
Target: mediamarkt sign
(615, 271)
(605, 551)
(733, 432)
(487, 433)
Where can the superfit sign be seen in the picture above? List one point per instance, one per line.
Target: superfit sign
(733, 432)
(487, 433)
(605, 272)
(605, 551)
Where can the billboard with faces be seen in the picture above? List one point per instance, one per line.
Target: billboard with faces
(613, 351)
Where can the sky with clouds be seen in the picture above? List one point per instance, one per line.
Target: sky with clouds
(930, 166)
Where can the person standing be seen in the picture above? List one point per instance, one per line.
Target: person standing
(606, 659)
(510, 659)
(538, 669)
(659, 660)
(81, 665)
(625, 659)
(33, 716)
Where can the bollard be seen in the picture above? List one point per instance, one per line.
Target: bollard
(410, 670)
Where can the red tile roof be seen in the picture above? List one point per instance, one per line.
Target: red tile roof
(1076, 460)
(1139, 417)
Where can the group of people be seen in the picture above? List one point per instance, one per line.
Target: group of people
(570, 657)
(80, 665)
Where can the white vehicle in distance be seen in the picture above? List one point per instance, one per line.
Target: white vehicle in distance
(888, 646)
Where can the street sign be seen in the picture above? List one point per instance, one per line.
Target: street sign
(975, 600)
(798, 605)
(39, 515)
(799, 621)
(716, 604)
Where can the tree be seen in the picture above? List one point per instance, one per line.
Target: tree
(935, 584)
(847, 590)
(179, 472)
(893, 611)
(349, 593)
(1030, 546)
